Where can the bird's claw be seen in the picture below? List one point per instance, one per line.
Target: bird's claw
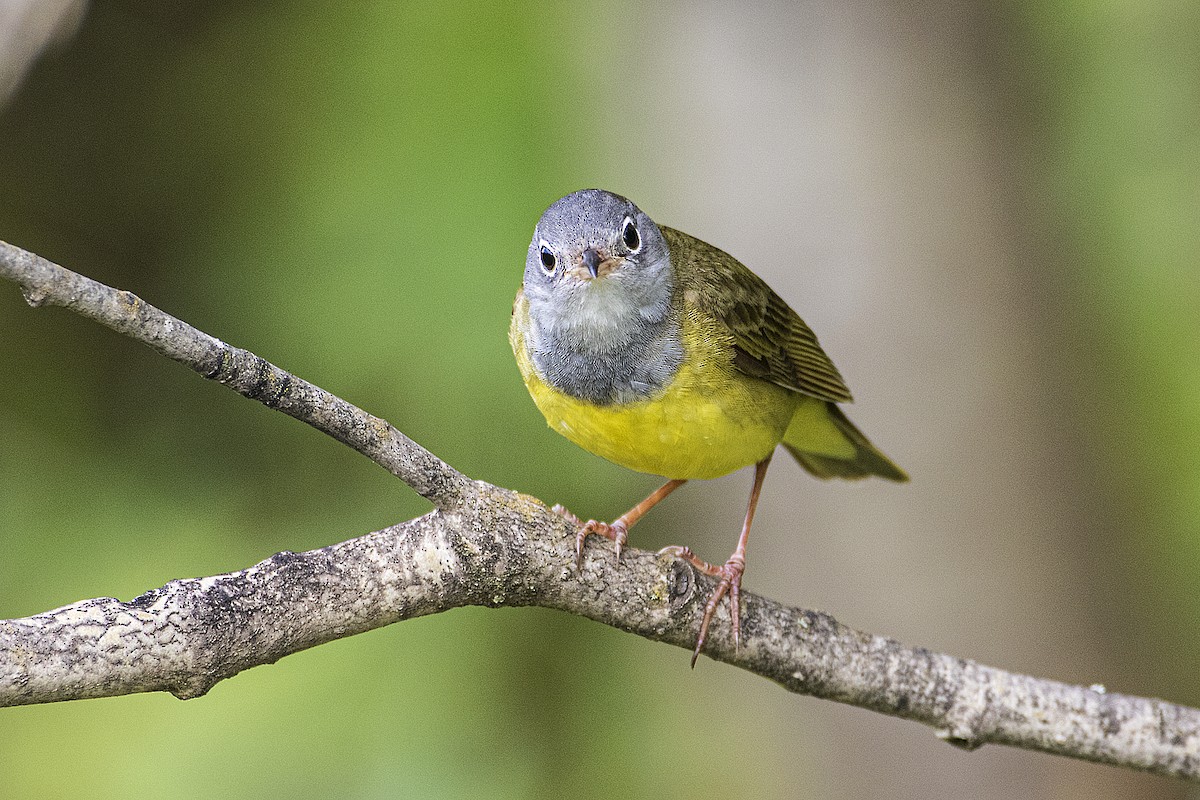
(729, 582)
(565, 513)
(617, 531)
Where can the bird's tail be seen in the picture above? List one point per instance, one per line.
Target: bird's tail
(864, 459)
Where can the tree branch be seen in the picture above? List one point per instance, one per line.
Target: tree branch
(483, 545)
(45, 283)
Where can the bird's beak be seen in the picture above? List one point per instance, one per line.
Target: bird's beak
(596, 265)
(591, 260)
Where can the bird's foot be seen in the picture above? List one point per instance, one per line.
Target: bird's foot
(617, 531)
(729, 582)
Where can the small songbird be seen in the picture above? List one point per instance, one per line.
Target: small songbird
(663, 354)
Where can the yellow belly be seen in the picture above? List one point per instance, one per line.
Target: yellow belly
(708, 422)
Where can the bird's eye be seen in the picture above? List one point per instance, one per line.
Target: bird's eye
(549, 262)
(629, 235)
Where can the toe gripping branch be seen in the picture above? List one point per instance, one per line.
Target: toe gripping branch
(728, 575)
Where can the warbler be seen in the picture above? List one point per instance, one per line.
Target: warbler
(666, 355)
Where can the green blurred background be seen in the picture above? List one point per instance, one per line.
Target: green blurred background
(989, 215)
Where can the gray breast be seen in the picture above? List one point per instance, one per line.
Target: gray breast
(608, 366)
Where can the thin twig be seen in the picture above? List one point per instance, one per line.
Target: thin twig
(45, 283)
(484, 545)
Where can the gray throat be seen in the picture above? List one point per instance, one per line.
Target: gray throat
(607, 364)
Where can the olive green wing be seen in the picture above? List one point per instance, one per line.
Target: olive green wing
(770, 340)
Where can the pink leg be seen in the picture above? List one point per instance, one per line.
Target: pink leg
(729, 573)
(618, 529)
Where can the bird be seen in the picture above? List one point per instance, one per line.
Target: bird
(666, 355)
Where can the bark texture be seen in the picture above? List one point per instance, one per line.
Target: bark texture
(484, 545)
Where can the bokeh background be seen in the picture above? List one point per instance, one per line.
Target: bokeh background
(989, 212)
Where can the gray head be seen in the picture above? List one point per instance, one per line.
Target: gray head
(598, 281)
(597, 262)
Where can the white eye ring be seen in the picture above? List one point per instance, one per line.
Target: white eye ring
(630, 235)
(547, 258)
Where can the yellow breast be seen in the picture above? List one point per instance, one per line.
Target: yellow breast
(709, 421)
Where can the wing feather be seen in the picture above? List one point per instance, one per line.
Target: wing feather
(771, 341)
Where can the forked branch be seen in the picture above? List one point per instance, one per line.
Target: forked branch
(483, 545)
